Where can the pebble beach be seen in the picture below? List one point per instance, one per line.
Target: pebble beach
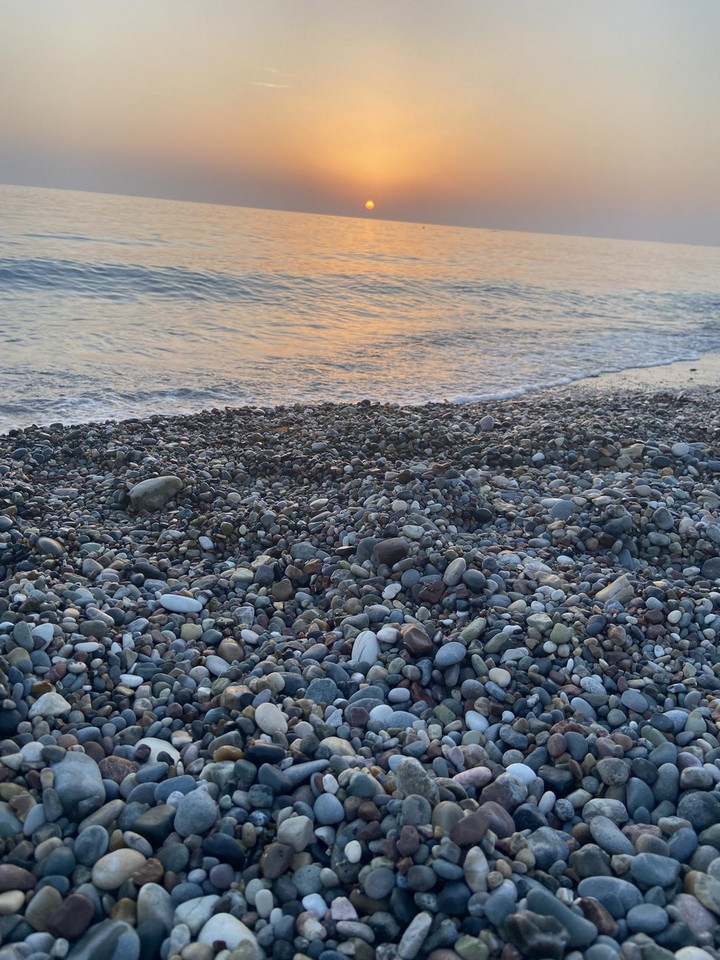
(364, 681)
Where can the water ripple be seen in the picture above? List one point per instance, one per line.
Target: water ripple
(115, 306)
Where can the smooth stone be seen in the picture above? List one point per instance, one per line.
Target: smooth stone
(79, 785)
(582, 933)
(647, 918)
(228, 930)
(297, 832)
(450, 654)
(72, 918)
(617, 895)
(177, 603)
(365, 648)
(270, 719)
(653, 870)
(158, 746)
(155, 492)
(328, 809)
(609, 836)
(196, 813)
(154, 903)
(112, 870)
(107, 940)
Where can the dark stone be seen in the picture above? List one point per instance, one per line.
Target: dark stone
(156, 824)
(537, 936)
(72, 918)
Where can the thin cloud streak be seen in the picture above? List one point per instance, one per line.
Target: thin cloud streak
(273, 86)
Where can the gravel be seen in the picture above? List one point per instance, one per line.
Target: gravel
(363, 681)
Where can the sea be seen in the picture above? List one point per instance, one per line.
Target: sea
(114, 307)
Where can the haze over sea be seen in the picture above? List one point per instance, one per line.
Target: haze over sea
(112, 307)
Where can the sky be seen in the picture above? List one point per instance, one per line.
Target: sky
(589, 117)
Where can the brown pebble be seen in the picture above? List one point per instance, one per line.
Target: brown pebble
(15, 878)
(116, 768)
(598, 914)
(469, 830)
(72, 918)
(149, 872)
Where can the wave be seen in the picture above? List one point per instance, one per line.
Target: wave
(131, 308)
(134, 281)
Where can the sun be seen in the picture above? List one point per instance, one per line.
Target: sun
(369, 204)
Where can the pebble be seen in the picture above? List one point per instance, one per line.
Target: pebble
(112, 870)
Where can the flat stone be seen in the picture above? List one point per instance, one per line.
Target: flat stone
(414, 936)
(705, 889)
(450, 654)
(179, 603)
(270, 719)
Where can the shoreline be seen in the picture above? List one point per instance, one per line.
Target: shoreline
(702, 374)
(679, 374)
(434, 682)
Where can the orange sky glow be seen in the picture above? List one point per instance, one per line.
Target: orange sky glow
(599, 117)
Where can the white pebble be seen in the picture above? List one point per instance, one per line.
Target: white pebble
(353, 852)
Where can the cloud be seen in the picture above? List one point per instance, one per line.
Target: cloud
(278, 73)
(273, 86)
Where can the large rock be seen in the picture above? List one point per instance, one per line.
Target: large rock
(79, 785)
(154, 493)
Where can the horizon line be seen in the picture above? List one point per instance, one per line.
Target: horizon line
(365, 218)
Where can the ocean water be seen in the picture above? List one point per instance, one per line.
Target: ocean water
(113, 307)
